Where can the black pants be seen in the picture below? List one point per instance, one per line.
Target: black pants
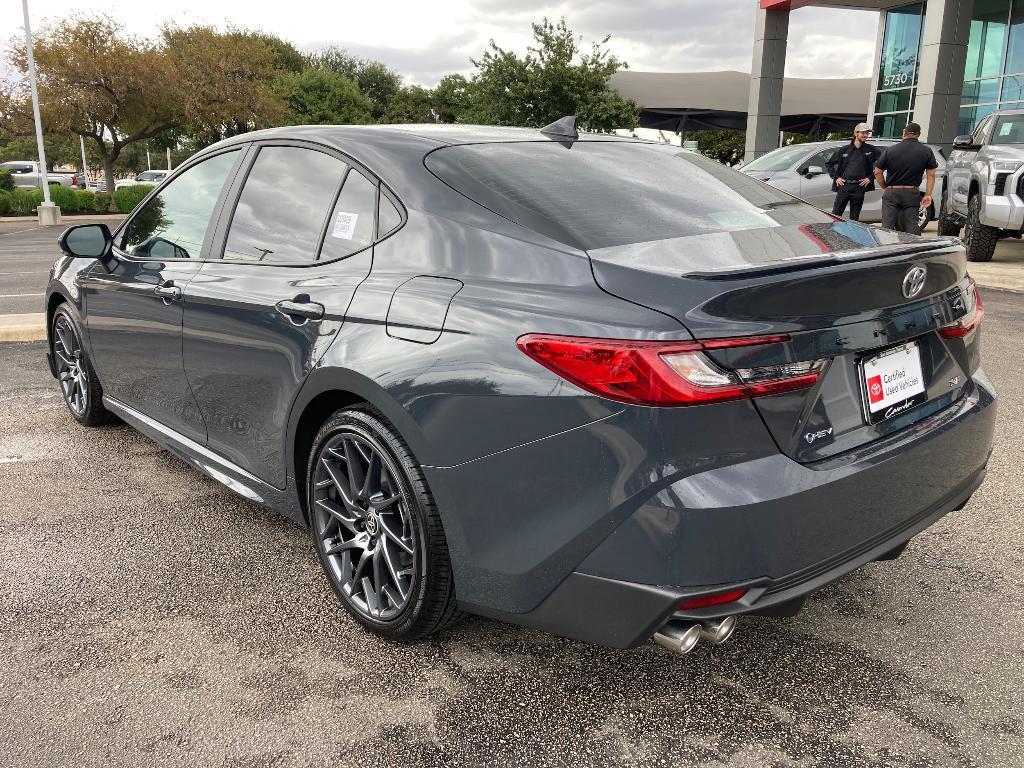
(900, 210)
(853, 193)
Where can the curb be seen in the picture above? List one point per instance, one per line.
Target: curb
(31, 327)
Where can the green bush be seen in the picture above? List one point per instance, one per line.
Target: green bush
(25, 201)
(6, 180)
(86, 199)
(102, 201)
(126, 198)
(5, 202)
(64, 198)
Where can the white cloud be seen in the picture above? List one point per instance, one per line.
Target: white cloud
(424, 41)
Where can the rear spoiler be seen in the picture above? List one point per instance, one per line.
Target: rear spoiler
(817, 261)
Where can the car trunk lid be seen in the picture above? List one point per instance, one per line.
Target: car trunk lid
(837, 292)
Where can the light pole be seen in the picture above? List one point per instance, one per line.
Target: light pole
(48, 212)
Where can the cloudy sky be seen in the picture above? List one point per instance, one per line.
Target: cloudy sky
(425, 40)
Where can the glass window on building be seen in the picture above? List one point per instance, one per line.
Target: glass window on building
(994, 75)
(897, 75)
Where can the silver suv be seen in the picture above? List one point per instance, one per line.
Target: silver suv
(800, 170)
(985, 189)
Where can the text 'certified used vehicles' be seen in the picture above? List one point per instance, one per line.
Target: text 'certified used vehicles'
(800, 169)
(592, 385)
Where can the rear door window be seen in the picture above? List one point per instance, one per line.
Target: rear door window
(283, 207)
(351, 226)
(597, 194)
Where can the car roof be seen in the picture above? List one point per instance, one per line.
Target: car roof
(436, 134)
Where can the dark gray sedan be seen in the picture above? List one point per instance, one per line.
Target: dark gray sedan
(593, 385)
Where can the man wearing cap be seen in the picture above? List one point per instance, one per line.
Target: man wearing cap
(900, 171)
(852, 172)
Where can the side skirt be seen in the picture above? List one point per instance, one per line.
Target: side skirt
(209, 463)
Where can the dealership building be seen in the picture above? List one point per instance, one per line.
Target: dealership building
(943, 63)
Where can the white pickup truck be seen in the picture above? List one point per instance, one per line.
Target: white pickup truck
(26, 174)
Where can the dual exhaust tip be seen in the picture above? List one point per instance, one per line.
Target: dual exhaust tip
(682, 636)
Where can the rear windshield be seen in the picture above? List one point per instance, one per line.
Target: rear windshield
(778, 160)
(595, 194)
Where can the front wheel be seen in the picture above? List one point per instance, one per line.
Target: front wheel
(979, 239)
(82, 392)
(376, 529)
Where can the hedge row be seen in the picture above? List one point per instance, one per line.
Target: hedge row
(25, 201)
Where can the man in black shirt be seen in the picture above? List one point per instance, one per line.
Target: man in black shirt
(904, 166)
(852, 172)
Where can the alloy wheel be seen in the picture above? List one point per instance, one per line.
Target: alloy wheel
(363, 525)
(67, 350)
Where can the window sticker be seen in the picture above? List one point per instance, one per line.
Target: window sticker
(1005, 128)
(345, 225)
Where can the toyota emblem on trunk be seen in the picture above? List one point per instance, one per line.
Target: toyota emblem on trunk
(913, 281)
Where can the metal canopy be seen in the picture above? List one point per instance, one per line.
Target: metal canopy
(682, 101)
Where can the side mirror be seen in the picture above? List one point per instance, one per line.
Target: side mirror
(963, 142)
(814, 170)
(87, 241)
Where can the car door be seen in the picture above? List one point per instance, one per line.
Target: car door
(959, 169)
(134, 308)
(298, 242)
(817, 188)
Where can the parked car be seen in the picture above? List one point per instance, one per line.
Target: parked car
(597, 386)
(146, 177)
(984, 192)
(26, 174)
(800, 170)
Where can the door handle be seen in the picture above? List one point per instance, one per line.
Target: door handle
(309, 310)
(168, 292)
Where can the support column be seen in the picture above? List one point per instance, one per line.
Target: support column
(879, 43)
(767, 73)
(947, 27)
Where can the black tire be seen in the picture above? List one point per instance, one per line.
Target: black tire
(948, 225)
(980, 240)
(340, 526)
(924, 217)
(76, 377)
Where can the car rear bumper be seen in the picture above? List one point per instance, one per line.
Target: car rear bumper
(778, 528)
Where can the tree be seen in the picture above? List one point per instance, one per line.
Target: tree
(553, 80)
(322, 97)
(226, 80)
(117, 90)
(410, 105)
(375, 79)
(95, 81)
(452, 98)
(723, 145)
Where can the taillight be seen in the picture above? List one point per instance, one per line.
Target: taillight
(708, 600)
(971, 320)
(664, 373)
(74, 181)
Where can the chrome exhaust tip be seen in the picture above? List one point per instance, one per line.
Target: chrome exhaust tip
(717, 632)
(678, 637)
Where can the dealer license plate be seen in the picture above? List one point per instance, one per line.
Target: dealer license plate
(893, 382)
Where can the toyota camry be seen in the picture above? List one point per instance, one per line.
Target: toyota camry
(592, 385)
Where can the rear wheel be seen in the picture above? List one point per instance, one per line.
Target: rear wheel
(376, 529)
(924, 217)
(979, 239)
(948, 225)
(82, 392)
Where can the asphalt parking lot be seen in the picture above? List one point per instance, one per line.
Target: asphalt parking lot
(148, 616)
(27, 251)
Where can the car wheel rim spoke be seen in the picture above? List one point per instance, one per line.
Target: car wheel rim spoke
(67, 350)
(363, 524)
